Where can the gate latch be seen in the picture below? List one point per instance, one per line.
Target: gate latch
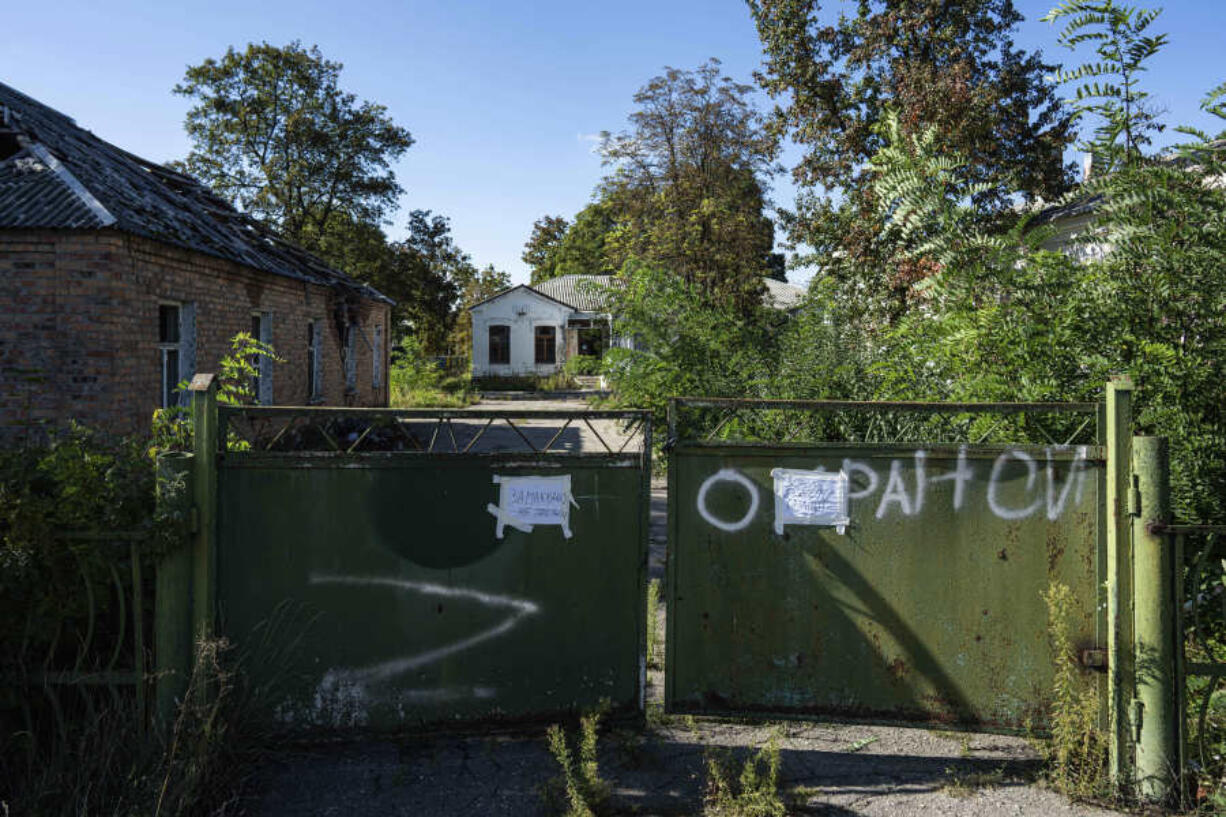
(1134, 497)
(1094, 658)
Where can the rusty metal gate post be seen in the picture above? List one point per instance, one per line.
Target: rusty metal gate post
(1156, 715)
(1119, 579)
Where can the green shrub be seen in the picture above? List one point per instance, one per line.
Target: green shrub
(582, 365)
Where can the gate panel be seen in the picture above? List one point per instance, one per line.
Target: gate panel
(375, 592)
(927, 608)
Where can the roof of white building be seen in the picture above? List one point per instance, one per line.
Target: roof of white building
(586, 293)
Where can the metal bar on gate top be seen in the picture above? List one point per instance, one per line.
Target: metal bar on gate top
(870, 405)
(430, 414)
(1205, 668)
(554, 438)
(1175, 530)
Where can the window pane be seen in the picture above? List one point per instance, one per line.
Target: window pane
(312, 390)
(168, 323)
(170, 377)
(500, 344)
(545, 344)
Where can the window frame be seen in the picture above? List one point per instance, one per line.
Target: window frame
(261, 382)
(549, 334)
(314, 386)
(376, 358)
(504, 345)
(169, 396)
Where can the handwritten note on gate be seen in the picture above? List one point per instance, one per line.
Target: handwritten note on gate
(810, 498)
(524, 502)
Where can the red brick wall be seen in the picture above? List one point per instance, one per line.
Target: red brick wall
(79, 327)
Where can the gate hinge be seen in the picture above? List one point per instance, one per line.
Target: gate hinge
(1134, 497)
(1094, 658)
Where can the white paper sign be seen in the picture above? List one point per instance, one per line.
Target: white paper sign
(810, 498)
(524, 502)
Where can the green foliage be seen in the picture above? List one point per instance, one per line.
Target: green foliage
(688, 189)
(417, 381)
(586, 793)
(585, 249)
(1109, 86)
(685, 345)
(653, 624)
(951, 67)
(541, 249)
(755, 792)
(273, 132)
(581, 365)
(474, 287)
(1077, 755)
(78, 483)
(236, 372)
(427, 274)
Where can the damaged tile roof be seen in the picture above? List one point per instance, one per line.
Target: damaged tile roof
(54, 174)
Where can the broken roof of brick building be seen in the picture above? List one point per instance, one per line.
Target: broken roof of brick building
(57, 175)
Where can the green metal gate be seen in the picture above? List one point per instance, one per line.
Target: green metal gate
(882, 580)
(427, 567)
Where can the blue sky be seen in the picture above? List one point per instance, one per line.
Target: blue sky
(504, 98)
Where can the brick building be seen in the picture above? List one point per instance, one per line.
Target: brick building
(119, 278)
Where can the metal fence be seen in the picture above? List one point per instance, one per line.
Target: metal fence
(96, 654)
(1199, 553)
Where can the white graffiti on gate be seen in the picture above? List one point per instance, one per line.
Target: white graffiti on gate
(397, 666)
(728, 475)
(907, 496)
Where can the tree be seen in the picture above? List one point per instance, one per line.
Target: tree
(582, 250)
(687, 192)
(541, 249)
(474, 288)
(1109, 87)
(426, 274)
(273, 132)
(950, 66)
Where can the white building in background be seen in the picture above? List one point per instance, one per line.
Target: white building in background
(533, 330)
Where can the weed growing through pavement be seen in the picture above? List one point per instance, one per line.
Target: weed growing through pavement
(754, 793)
(653, 621)
(966, 785)
(584, 791)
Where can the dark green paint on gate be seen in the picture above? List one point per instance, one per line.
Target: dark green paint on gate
(926, 609)
(370, 591)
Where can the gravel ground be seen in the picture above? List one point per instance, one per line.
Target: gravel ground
(827, 769)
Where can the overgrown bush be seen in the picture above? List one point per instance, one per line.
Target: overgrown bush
(417, 381)
(685, 344)
(70, 511)
(581, 365)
